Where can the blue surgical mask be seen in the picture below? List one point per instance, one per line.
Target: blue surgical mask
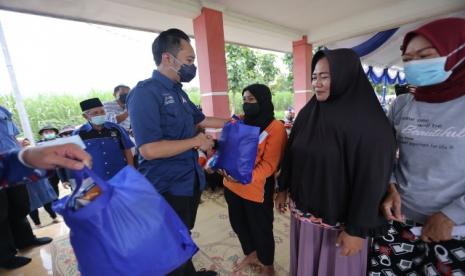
(425, 72)
(97, 120)
(186, 72)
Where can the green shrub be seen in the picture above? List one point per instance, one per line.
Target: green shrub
(63, 109)
(57, 110)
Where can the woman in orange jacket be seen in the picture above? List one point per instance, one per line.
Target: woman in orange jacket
(250, 206)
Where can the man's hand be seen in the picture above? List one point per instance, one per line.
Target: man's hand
(209, 170)
(213, 122)
(280, 202)
(351, 245)
(68, 156)
(204, 142)
(438, 227)
(391, 206)
(122, 116)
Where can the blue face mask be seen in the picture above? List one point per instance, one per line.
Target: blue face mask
(425, 72)
(97, 120)
(186, 72)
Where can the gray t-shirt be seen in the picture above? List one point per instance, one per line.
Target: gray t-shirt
(430, 172)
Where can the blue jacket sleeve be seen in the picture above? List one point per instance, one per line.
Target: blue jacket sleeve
(13, 172)
(198, 115)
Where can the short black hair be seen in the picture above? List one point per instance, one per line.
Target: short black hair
(117, 88)
(168, 41)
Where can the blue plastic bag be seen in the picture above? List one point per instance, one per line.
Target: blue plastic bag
(129, 229)
(237, 150)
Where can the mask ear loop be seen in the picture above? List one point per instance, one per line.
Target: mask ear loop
(455, 51)
(176, 61)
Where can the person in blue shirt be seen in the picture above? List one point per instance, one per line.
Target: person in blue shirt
(18, 167)
(107, 143)
(165, 125)
(8, 131)
(15, 230)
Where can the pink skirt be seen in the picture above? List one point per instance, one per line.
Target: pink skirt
(314, 252)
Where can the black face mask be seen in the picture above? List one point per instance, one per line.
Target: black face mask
(122, 98)
(251, 110)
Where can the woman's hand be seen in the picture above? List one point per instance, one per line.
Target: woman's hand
(351, 245)
(226, 175)
(280, 202)
(438, 227)
(391, 206)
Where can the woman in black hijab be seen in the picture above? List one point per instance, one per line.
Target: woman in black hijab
(250, 206)
(336, 168)
(258, 112)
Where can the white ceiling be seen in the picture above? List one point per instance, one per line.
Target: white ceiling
(267, 24)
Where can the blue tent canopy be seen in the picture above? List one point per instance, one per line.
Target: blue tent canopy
(383, 76)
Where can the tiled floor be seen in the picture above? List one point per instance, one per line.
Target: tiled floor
(41, 263)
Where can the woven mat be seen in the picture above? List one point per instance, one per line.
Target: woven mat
(219, 246)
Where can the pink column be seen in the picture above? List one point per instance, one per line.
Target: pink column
(302, 56)
(211, 59)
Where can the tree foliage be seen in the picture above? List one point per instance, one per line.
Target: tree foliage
(57, 110)
(63, 109)
(246, 66)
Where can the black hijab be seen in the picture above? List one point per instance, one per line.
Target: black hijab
(265, 116)
(341, 151)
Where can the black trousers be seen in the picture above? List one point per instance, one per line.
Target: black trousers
(214, 180)
(54, 180)
(15, 230)
(253, 223)
(35, 214)
(186, 208)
